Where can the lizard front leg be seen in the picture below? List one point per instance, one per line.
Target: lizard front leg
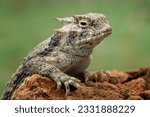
(49, 70)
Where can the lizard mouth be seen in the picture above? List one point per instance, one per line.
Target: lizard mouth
(96, 39)
(102, 34)
(106, 31)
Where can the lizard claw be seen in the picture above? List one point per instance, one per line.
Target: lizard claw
(58, 85)
(72, 81)
(66, 80)
(67, 88)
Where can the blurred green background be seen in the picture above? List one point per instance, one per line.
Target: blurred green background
(25, 23)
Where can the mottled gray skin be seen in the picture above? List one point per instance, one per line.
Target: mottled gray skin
(65, 54)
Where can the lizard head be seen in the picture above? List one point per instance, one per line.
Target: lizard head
(86, 30)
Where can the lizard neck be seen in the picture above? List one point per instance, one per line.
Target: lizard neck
(77, 51)
(83, 52)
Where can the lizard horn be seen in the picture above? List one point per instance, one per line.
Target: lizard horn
(61, 20)
(57, 30)
(65, 20)
(60, 31)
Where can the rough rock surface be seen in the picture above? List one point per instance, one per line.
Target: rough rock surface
(117, 85)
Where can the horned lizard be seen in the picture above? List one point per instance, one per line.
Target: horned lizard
(65, 54)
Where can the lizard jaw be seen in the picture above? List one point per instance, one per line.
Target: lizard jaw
(103, 33)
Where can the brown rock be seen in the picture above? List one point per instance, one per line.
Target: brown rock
(117, 85)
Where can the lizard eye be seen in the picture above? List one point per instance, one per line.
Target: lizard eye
(83, 24)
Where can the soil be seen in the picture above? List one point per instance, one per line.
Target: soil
(109, 85)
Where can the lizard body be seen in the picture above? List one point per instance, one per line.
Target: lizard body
(65, 54)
